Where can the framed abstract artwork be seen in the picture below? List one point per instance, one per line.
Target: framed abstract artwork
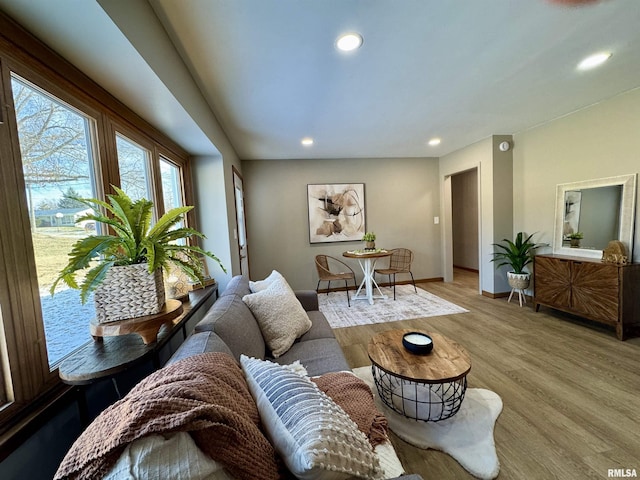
(336, 212)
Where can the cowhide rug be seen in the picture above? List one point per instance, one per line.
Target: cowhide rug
(467, 436)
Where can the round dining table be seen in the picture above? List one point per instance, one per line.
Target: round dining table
(367, 260)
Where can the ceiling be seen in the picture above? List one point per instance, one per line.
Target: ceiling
(269, 72)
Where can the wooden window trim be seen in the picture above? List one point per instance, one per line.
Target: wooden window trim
(22, 53)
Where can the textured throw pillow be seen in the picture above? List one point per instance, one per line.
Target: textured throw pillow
(313, 435)
(260, 285)
(174, 456)
(279, 314)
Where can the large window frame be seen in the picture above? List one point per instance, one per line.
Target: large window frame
(25, 378)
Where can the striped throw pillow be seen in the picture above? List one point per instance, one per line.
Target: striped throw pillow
(313, 435)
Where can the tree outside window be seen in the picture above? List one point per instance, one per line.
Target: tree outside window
(58, 162)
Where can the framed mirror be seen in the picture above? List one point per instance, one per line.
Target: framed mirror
(600, 210)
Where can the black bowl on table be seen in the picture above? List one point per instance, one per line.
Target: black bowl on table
(417, 342)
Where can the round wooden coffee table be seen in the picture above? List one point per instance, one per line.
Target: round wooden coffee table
(423, 387)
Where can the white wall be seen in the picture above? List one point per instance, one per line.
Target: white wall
(600, 141)
(402, 197)
(212, 216)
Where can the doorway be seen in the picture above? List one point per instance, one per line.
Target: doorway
(465, 215)
(241, 224)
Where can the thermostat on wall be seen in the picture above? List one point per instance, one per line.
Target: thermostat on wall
(504, 146)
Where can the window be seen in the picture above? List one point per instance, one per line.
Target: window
(59, 140)
(171, 184)
(134, 166)
(58, 164)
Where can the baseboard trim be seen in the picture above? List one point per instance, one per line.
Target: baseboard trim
(474, 270)
(495, 295)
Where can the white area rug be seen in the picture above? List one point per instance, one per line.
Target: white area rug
(408, 305)
(467, 436)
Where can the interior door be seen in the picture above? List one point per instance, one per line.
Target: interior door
(240, 232)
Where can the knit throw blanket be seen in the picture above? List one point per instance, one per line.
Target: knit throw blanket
(205, 395)
(355, 398)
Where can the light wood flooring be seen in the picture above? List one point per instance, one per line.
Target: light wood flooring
(571, 391)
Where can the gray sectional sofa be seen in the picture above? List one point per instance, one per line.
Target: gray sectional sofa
(198, 409)
(230, 327)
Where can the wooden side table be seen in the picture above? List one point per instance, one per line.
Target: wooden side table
(113, 355)
(147, 327)
(423, 387)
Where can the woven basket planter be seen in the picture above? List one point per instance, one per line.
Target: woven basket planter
(129, 291)
(518, 280)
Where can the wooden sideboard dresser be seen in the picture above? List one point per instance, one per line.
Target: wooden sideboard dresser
(603, 292)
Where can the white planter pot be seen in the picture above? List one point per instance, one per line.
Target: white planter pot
(129, 291)
(518, 280)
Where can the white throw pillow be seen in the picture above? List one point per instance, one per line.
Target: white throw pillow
(279, 314)
(260, 285)
(313, 435)
(175, 456)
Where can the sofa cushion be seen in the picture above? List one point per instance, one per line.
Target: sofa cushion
(238, 285)
(313, 435)
(319, 356)
(279, 314)
(233, 322)
(320, 328)
(260, 285)
(308, 299)
(200, 342)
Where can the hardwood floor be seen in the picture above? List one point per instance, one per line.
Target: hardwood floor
(571, 390)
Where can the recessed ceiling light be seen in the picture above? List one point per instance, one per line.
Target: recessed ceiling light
(594, 60)
(307, 141)
(349, 42)
(434, 141)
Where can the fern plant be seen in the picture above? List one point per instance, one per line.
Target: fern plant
(134, 241)
(516, 254)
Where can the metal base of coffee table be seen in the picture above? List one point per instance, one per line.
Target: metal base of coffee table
(428, 402)
(427, 387)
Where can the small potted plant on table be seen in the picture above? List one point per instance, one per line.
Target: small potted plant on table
(369, 240)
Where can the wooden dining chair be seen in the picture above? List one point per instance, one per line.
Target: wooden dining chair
(399, 262)
(330, 268)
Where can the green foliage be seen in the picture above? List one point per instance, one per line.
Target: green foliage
(70, 199)
(133, 242)
(576, 235)
(369, 237)
(47, 205)
(516, 254)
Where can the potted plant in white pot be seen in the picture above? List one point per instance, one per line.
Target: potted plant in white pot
(517, 255)
(369, 240)
(125, 268)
